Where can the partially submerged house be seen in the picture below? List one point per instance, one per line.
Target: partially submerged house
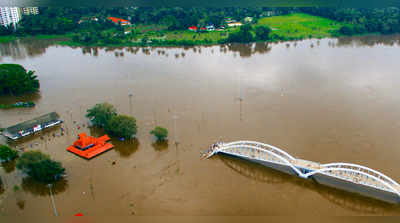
(89, 146)
(31, 126)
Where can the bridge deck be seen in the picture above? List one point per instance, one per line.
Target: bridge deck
(307, 164)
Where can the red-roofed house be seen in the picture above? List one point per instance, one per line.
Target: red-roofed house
(193, 28)
(118, 20)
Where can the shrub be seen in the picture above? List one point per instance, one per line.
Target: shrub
(160, 133)
(346, 30)
(121, 126)
(40, 167)
(7, 154)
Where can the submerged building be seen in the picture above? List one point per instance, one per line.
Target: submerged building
(31, 126)
(89, 146)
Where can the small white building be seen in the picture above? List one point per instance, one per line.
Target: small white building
(248, 19)
(234, 24)
(210, 28)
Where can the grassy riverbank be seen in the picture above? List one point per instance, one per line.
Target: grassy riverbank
(6, 39)
(294, 26)
(301, 26)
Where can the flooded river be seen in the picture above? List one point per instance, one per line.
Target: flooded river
(329, 100)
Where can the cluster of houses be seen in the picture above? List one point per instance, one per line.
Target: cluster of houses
(115, 20)
(207, 28)
(229, 22)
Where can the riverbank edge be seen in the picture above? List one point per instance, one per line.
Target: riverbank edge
(66, 40)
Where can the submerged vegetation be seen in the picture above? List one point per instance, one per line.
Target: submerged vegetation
(40, 167)
(160, 133)
(100, 114)
(15, 80)
(121, 126)
(28, 104)
(7, 154)
(105, 115)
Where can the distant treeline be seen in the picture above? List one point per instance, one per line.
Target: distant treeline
(62, 20)
(385, 20)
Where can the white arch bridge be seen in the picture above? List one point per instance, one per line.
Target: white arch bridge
(347, 176)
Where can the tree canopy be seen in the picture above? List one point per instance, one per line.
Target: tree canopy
(100, 114)
(15, 80)
(242, 36)
(262, 32)
(40, 167)
(121, 126)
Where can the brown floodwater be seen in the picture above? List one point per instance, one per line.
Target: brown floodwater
(329, 100)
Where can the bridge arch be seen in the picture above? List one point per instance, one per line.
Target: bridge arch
(362, 169)
(264, 146)
(331, 170)
(230, 148)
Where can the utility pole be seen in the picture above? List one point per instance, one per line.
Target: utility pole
(52, 200)
(130, 95)
(175, 117)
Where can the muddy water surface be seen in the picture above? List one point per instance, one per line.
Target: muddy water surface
(325, 100)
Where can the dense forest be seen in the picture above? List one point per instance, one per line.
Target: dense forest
(385, 21)
(90, 25)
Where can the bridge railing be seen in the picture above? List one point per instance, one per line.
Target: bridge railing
(362, 169)
(226, 147)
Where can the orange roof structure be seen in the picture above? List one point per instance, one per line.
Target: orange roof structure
(89, 146)
(118, 20)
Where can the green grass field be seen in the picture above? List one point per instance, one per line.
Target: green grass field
(300, 25)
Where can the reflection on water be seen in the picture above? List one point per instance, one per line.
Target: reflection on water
(350, 201)
(21, 204)
(24, 48)
(31, 47)
(369, 40)
(160, 146)
(39, 189)
(127, 147)
(26, 97)
(9, 166)
(2, 187)
(254, 171)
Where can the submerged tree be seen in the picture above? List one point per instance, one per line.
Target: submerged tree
(121, 126)
(7, 154)
(40, 167)
(15, 80)
(160, 133)
(100, 114)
